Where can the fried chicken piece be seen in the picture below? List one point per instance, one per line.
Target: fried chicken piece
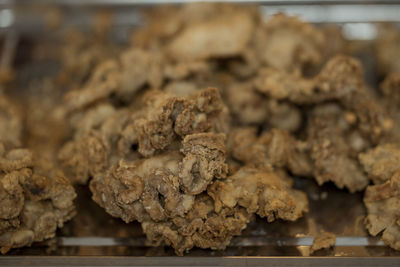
(246, 104)
(289, 44)
(381, 162)
(162, 121)
(85, 156)
(94, 143)
(382, 202)
(213, 30)
(204, 160)
(275, 148)
(260, 191)
(161, 186)
(167, 117)
(129, 190)
(35, 199)
(10, 122)
(225, 35)
(390, 89)
(340, 80)
(284, 116)
(250, 107)
(334, 142)
(341, 77)
(201, 227)
(323, 240)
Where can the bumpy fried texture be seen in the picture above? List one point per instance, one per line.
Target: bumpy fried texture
(153, 146)
(162, 186)
(168, 117)
(381, 162)
(250, 107)
(274, 148)
(246, 104)
(335, 142)
(202, 227)
(341, 77)
(10, 122)
(289, 44)
(224, 35)
(35, 199)
(323, 241)
(262, 192)
(341, 80)
(382, 202)
(163, 121)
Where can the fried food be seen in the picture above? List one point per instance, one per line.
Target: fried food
(260, 191)
(274, 148)
(289, 44)
(201, 123)
(381, 162)
(323, 241)
(36, 198)
(161, 186)
(164, 120)
(382, 202)
(334, 142)
(202, 227)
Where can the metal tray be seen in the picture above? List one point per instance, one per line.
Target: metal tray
(93, 238)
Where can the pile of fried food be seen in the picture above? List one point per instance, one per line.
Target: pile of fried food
(200, 124)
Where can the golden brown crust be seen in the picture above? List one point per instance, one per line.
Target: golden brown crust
(382, 202)
(323, 240)
(35, 199)
(260, 191)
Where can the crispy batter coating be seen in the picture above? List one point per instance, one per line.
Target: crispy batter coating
(167, 117)
(275, 148)
(202, 227)
(340, 78)
(333, 142)
(323, 240)
(382, 202)
(86, 156)
(161, 186)
(289, 44)
(204, 160)
(262, 192)
(381, 162)
(246, 104)
(219, 36)
(390, 88)
(104, 132)
(35, 199)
